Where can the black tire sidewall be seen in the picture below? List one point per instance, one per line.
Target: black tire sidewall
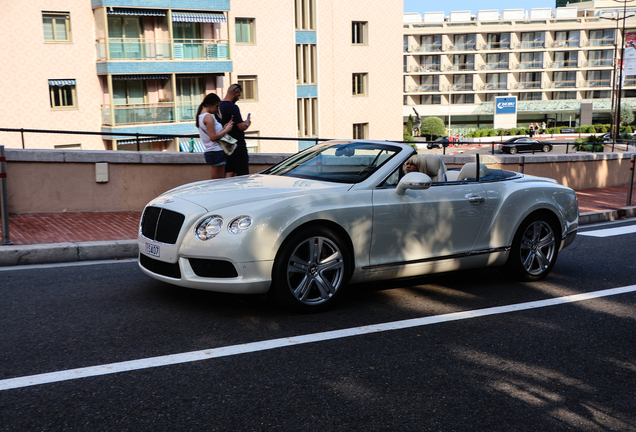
(513, 267)
(280, 290)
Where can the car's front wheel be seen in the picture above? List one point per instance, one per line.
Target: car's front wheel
(534, 249)
(546, 148)
(513, 150)
(311, 269)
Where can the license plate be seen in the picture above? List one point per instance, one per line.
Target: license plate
(152, 249)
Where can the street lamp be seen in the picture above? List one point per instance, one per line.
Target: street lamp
(616, 95)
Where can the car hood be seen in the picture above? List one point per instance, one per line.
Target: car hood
(215, 194)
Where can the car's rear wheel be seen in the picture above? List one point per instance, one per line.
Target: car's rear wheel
(512, 150)
(546, 148)
(534, 249)
(311, 270)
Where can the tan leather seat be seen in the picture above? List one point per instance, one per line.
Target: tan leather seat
(470, 171)
(435, 168)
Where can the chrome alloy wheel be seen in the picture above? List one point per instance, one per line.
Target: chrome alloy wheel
(538, 246)
(315, 270)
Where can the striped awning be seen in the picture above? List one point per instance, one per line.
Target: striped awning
(61, 82)
(184, 145)
(140, 77)
(210, 17)
(200, 75)
(136, 12)
(141, 140)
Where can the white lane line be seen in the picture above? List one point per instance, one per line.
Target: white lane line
(65, 264)
(112, 368)
(607, 232)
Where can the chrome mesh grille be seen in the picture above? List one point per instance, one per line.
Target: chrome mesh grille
(161, 225)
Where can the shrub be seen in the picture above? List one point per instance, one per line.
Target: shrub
(407, 135)
(591, 129)
(585, 129)
(432, 126)
(492, 133)
(514, 131)
(629, 129)
(501, 132)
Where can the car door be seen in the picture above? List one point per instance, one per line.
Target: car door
(441, 222)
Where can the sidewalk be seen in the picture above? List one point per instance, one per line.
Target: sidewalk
(84, 236)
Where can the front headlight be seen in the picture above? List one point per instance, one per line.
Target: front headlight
(209, 227)
(239, 224)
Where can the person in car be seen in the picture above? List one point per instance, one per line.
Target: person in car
(415, 163)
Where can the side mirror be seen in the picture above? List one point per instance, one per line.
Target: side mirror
(414, 180)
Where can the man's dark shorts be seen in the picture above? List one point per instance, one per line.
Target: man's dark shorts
(238, 161)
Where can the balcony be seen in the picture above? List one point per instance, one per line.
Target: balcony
(494, 86)
(528, 85)
(565, 44)
(425, 68)
(599, 42)
(462, 47)
(599, 62)
(563, 64)
(162, 49)
(462, 87)
(162, 112)
(529, 65)
(497, 65)
(461, 67)
(560, 84)
(597, 83)
(629, 81)
(495, 46)
(422, 88)
(530, 45)
(427, 48)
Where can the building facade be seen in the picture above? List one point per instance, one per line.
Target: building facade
(309, 68)
(551, 60)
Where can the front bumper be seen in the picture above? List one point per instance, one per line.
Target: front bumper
(252, 277)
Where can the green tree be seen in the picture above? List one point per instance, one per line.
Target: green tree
(409, 125)
(432, 127)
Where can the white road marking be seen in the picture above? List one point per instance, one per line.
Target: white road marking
(71, 374)
(607, 232)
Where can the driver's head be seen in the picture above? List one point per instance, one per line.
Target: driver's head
(415, 163)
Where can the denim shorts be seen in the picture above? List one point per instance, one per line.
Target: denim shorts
(215, 158)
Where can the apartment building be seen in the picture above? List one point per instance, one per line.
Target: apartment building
(551, 60)
(309, 68)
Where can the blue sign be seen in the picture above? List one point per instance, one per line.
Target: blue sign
(506, 105)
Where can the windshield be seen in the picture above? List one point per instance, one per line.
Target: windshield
(342, 162)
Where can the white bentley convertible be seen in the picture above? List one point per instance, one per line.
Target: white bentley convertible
(343, 211)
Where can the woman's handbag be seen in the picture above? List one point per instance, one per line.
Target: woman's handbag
(228, 144)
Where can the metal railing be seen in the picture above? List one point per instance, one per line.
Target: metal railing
(495, 65)
(563, 64)
(528, 84)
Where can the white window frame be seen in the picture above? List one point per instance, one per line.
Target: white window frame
(58, 89)
(247, 81)
(360, 79)
(66, 17)
(252, 26)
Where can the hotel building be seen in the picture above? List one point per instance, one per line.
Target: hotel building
(309, 68)
(551, 60)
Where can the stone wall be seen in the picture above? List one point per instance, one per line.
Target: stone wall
(58, 180)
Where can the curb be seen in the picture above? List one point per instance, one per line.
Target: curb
(49, 253)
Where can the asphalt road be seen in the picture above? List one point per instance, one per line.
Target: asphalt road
(536, 367)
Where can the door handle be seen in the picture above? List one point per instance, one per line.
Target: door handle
(476, 199)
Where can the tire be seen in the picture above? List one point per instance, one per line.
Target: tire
(513, 150)
(429, 146)
(546, 148)
(534, 249)
(311, 270)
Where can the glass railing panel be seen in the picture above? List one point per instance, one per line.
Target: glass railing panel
(186, 111)
(146, 113)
